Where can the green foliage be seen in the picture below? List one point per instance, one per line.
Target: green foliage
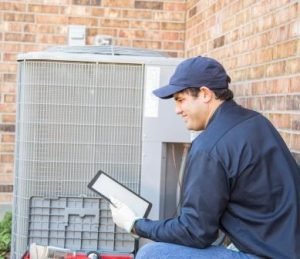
(5, 234)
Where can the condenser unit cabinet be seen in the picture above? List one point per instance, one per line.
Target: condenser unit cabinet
(79, 111)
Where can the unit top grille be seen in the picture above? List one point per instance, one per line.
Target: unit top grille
(108, 50)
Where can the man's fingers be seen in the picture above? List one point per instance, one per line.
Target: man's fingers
(115, 201)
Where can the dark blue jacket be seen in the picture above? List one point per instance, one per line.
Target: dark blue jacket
(240, 177)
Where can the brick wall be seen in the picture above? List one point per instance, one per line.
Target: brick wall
(258, 42)
(37, 24)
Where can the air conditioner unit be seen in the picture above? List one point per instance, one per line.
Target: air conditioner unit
(81, 110)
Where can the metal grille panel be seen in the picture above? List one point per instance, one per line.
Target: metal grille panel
(74, 119)
(75, 223)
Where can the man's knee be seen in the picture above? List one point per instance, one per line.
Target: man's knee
(146, 251)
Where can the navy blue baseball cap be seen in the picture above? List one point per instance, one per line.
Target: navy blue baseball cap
(195, 72)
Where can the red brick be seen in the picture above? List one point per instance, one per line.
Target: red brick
(114, 23)
(144, 25)
(9, 98)
(168, 16)
(99, 12)
(247, 30)
(295, 141)
(6, 169)
(153, 35)
(118, 3)
(18, 17)
(293, 102)
(259, 87)
(219, 42)
(242, 17)
(142, 34)
(8, 68)
(127, 33)
(255, 103)
(30, 27)
(7, 107)
(286, 137)
(87, 2)
(81, 2)
(82, 20)
(13, 27)
(256, 72)
(137, 14)
(6, 179)
(52, 19)
(7, 138)
(295, 122)
(174, 6)
(8, 6)
(111, 13)
(10, 57)
(12, 47)
(153, 5)
(275, 69)
(13, 37)
(46, 28)
(33, 47)
(172, 26)
(292, 66)
(228, 25)
(172, 36)
(286, 49)
(6, 198)
(7, 127)
(38, 8)
(281, 121)
(278, 86)
(7, 87)
(173, 45)
(7, 148)
(8, 118)
(192, 12)
(5, 158)
(274, 103)
(264, 55)
(19, 37)
(51, 39)
(147, 44)
(295, 84)
(103, 31)
(124, 42)
(10, 77)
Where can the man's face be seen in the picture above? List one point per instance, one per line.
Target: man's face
(193, 110)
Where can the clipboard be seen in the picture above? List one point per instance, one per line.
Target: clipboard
(106, 187)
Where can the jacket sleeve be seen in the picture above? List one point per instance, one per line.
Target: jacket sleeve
(204, 197)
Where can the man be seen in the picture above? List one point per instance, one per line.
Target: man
(240, 177)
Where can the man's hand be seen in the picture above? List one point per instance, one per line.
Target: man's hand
(122, 216)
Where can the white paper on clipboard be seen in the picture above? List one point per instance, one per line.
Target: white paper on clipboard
(108, 187)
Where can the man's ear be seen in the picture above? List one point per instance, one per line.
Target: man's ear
(206, 93)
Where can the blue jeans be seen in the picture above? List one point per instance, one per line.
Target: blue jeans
(157, 250)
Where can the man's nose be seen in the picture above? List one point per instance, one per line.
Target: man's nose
(178, 109)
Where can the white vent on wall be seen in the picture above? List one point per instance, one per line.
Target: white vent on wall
(76, 35)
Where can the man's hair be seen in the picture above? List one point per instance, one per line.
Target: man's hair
(221, 94)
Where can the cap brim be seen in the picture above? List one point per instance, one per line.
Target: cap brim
(167, 91)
